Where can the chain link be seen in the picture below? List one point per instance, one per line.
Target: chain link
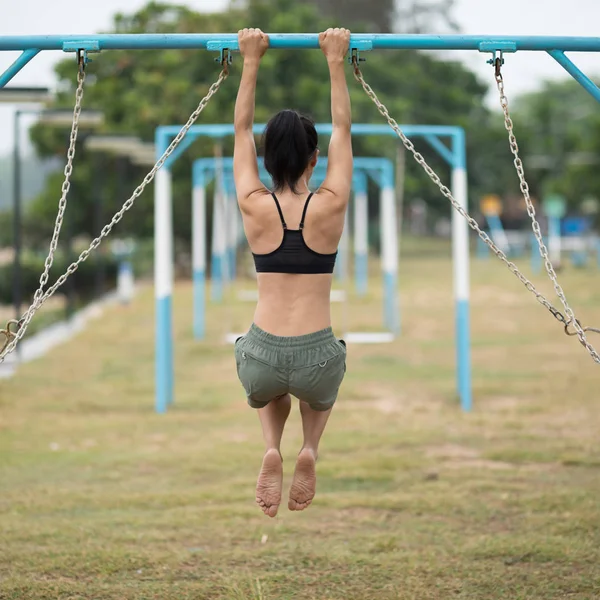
(567, 322)
(12, 338)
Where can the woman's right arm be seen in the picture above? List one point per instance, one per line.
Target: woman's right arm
(338, 181)
(253, 44)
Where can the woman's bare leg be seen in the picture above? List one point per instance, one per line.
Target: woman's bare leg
(305, 479)
(270, 479)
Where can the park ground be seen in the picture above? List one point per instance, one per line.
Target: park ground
(101, 498)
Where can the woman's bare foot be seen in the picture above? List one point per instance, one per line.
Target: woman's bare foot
(304, 484)
(270, 482)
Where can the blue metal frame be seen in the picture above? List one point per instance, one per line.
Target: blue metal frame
(379, 170)
(556, 46)
(454, 154)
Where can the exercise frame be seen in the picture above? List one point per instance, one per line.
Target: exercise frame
(447, 141)
(224, 44)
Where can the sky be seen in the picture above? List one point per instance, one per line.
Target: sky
(524, 71)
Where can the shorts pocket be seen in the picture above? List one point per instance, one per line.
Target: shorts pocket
(318, 384)
(260, 379)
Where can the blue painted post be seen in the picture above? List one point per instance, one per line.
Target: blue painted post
(460, 254)
(390, 250)
(554, 240)
(483, 250)
(497, 233)
(163, 283)
(536, 257)
(217, 245)
(361, 234)
(125, 281)
(199, 252)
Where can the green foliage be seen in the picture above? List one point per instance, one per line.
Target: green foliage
(32, 265)
(559, 130)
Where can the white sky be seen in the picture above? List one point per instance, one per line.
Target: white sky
(523, 71)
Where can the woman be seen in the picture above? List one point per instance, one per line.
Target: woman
(293, 235)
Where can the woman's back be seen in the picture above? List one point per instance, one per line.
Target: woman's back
(310, 227)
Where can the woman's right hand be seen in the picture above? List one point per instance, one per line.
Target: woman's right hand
(335, 43)
(253, 43)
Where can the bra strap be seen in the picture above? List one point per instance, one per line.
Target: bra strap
(279, 210)
(304, 211)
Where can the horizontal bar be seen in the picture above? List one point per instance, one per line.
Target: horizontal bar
(307, 40)
(21, 61)
(579, 76)
(226, 129)
(362, 165)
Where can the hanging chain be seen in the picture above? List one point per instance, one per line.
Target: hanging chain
(15, 330)
(567, 322)
(12, 332)
(570, 319)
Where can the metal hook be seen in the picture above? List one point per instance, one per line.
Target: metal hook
(497, 62)
(584, 329)
(82, 59)
(225, 58)
(355, 58)
(9, 334)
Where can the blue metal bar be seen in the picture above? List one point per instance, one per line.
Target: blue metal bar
(440, 148)
(487, 43)
(25, 57)
(579, 76)
(226, 129)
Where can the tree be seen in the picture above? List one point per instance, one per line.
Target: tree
(559, 136)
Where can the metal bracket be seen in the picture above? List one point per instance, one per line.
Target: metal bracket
(356, 47)
(494, 47)
(82, 49)
(87, 45)
(224, 48)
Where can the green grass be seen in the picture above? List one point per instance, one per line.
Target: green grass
(102, 499)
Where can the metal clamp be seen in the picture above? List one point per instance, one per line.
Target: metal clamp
(355, 48)
(82, 49)
(497, 61)
(494, 47)
(225, 57)
(224, 48)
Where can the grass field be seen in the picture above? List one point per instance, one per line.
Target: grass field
(102, 499)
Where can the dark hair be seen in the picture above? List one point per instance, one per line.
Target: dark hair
(289, 142)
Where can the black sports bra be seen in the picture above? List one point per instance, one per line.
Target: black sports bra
(293, 254)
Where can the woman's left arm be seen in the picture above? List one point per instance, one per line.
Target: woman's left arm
(253, 45)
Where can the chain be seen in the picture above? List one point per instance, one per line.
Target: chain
(11, 338)
(567, 322)
(514, 148)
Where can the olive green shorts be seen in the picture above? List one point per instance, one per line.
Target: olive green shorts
(310, 367)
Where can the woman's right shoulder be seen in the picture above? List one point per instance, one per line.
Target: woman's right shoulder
(254, 201)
